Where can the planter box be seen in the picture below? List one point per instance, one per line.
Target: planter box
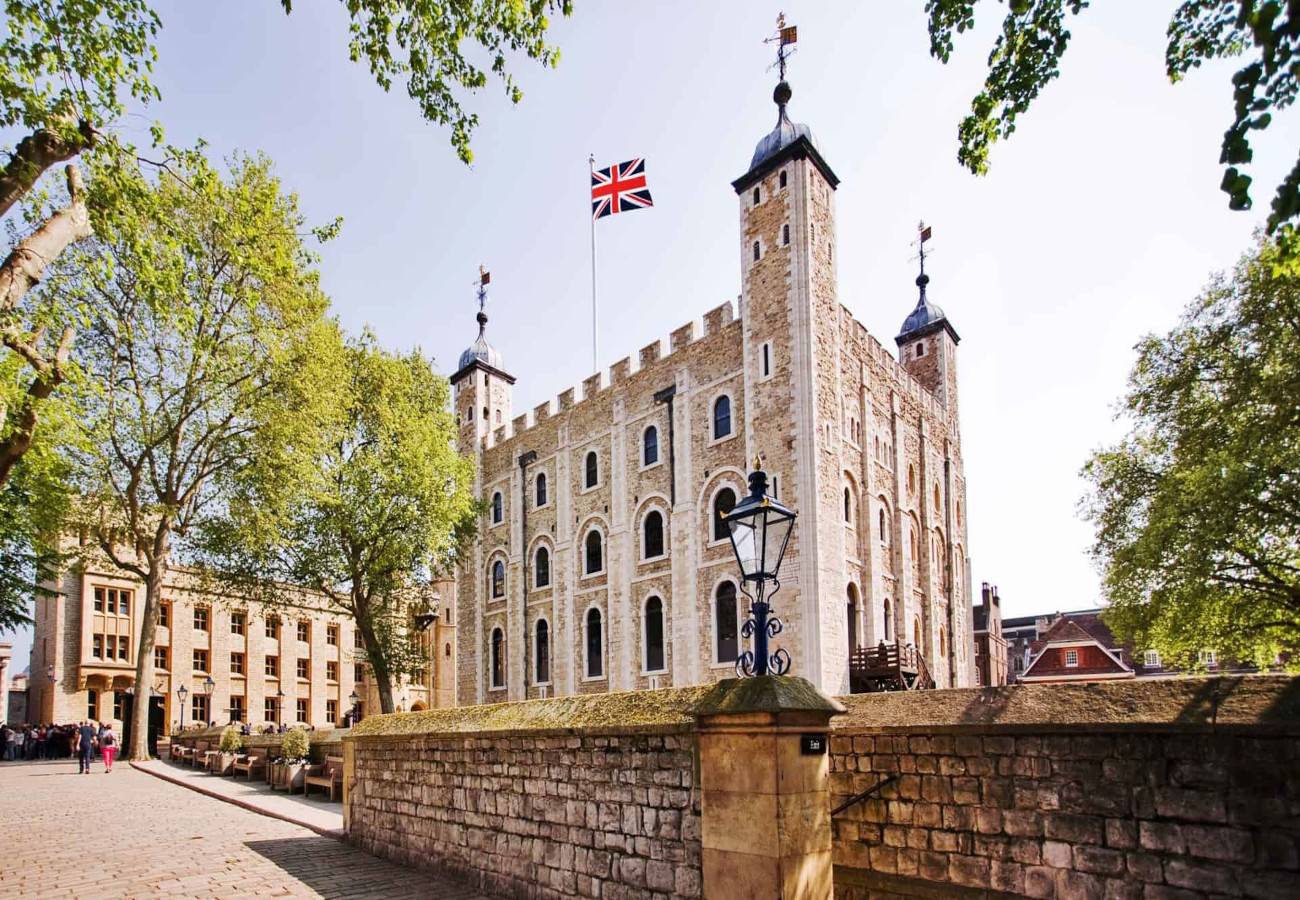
(223, 763)
(287, 777)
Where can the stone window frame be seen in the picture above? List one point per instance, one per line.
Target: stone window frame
(492, 654)
(756, 197)
(663, 633)
(885, 518)
(781, 180)
(594, 606)
(714, 439)
(654, 503)
(714, 662)
(497, 512)
(659, 451)
(497, 556)
(542, 542)
(756, 255)
(736, 491)
(600, 471)
(594, 523)
(541, 486)
(550, 646)
(766, 361)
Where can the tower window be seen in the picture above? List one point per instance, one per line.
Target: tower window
(497, 508)
(485, 413)
(654, 635)
(723, 503)
(498, 659)
(785, 235)
(781, 180)
(498, 579)
(721, 417)
(757, 252)
(650, 446)
(765, 367)
(543, 654)
(595, 558)
(595, 664)
(542, 567)
(541, 488)
(592, 469)
(653, 535)
(756, 196)
(920, 349)
(726, 626)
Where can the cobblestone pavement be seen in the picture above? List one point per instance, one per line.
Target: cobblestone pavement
(129, 834)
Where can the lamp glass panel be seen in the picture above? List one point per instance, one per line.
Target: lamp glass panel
(778, 535)
(745, 540)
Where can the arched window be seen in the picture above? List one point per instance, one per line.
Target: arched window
(542, 654)
(497, 508)
(848, 506)
(936, 498)
(654, 635)
(726, 625)
(723, 502)
(785, 234)
(498, 579)
(721, 417)
(916, 633)
(652, 530)
(541, 489)
(650, 446)
(594, 562)
(498, 658)
(446, 651)
(911, 479)
(757, 196)
(884, 534)
(920, 350)
(542, 568)
(853, 617)
(593, 469)
(756, 251)
(595, 664)
(889, 620)
(781, 180)
(943, 644)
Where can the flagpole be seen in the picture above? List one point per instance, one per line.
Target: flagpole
(595, 340)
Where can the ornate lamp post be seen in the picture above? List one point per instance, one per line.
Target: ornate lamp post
(354, 700)
(181, 694)
(208, 685)
(279, 707)
(760, 529)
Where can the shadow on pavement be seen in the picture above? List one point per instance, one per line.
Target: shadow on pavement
(333, 868)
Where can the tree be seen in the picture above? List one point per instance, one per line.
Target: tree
(1027, 53)
(1197, 510)
(382, 518)
(205, 329)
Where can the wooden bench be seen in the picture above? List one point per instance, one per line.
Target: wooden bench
(187, 753)
(327, 775)
(211, 760)
(199, 754)
(249, 764)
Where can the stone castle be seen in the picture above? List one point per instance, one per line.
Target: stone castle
(601, 563)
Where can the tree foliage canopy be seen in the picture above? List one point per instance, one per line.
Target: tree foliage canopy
(1197, 510)
(1027, 53)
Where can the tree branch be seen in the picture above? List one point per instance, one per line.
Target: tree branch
(33, 155)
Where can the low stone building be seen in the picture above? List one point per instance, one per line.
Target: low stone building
(602, 562)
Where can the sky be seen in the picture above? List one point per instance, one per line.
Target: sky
(1099, 221)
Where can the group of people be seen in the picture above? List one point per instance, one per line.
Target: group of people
(84, 740)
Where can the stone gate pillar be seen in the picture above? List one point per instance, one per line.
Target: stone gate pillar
(765, 808)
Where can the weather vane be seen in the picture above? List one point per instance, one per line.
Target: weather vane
(784, 37)
(484, 277)
(923, 235)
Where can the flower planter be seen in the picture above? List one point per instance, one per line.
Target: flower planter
(288, 776)
(223, 763)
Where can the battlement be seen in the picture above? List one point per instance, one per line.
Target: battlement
(651, 355)
(906, 381)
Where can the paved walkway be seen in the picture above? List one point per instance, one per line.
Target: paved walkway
(315, 812)
(129, 834)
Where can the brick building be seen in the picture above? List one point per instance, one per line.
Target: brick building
(991, 657)
(299, 664)
(601, 563)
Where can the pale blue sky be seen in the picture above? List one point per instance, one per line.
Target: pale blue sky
(1100, 219)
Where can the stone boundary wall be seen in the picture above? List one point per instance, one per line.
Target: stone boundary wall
(327, 742)
(1163, 790)
(574, 797)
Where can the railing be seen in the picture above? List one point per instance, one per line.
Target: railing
(888, 667)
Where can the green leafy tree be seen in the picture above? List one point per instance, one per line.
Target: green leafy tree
(1027, 53)
(1197, 510)
(204, 329)
(382, 518)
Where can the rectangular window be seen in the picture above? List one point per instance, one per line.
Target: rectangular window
(304, 631)
(118, 705)
(332, 635)
(237, 621)
(99, 601)
(200, 660)
(236, 664)
(767, 360)
(199, 708)
(273, 628)
(92, 705)
(302, 669)
(160, 660)
(165, 615)
(358, 672)
(1151, 659)
(124, 603)
(273, 667)
(122, 642)
(110, 647)
(331, 671)
(356, 640)
(271, 710)
(1071, 657)
(97, 646)
(302, 710)
(200, 618)
(332, 711)
(237, 708)
(1209, 658)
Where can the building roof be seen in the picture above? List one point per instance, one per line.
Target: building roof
(481, 350)
(925, 318)
(1071, 631)
(980, 618)
(788, 140)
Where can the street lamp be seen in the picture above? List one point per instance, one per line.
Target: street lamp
(208, 686)
(760, 529)
(279, 707)
(181, 693)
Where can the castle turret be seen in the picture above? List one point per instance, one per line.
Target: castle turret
(927, 342)
(481, 384)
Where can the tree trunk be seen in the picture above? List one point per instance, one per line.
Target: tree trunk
(364, 615)
(384, 684)
(33, 155)
(144, 674)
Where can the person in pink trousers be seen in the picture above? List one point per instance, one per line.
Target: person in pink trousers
(108, 746)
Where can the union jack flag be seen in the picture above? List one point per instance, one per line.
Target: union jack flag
(619, 188)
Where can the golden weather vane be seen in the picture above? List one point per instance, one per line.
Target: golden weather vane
(785, 36)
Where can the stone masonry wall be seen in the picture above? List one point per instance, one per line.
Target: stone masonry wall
(1130, 792)
(610, 815)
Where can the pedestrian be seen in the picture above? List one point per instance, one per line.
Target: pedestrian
(85, 746)
(99, 735)
(107, 745)
(20, 739)
(7, 742)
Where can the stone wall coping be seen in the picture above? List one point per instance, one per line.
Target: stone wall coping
(624, 712)
(766, 694)
(1261, 703)
(404, 737)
